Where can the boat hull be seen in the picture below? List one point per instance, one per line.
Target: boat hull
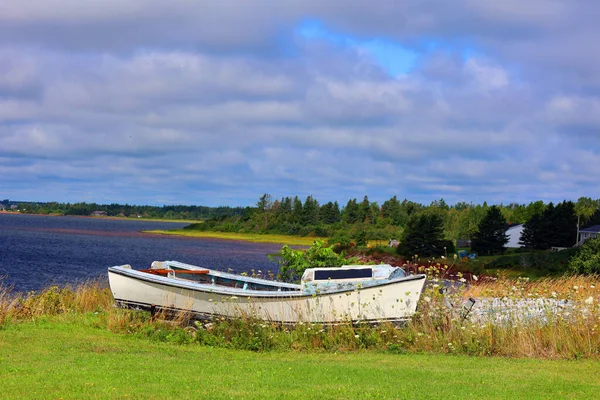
(392, 301)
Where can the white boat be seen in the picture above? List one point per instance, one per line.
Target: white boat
(357, 293)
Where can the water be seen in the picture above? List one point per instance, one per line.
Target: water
(38, 251)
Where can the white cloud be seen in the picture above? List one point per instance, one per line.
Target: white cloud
(208, 103)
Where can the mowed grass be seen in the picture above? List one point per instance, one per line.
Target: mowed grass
(75, 356)
(248, 237)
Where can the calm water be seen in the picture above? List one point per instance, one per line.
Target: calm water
(37, 251)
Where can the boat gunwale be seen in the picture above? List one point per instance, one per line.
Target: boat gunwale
(221, 274)
(223, 290)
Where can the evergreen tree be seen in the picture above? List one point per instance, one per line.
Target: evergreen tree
(391, 209)
(297, 211)
(423, 236)
(330, 213)
(310, 212)
(555, 226)
(563, 229)
(336, 212)
(491, 235)
(365, 211)
(351, 213)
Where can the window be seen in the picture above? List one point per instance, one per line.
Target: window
(324, 274)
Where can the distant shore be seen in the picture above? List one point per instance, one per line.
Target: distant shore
(187, 221)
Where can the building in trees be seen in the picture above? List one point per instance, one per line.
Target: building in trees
(514, 236)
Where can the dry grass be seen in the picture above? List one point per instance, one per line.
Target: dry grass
(577, 287)
(89, 296)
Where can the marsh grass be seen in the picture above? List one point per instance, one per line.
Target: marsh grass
(88, 296)
(567, 332)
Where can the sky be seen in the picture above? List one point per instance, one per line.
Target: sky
(217, 102)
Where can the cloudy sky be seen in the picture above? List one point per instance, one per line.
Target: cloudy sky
(216, 102)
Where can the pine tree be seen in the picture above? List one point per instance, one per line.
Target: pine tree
(556, 226)
(491, 235)
(351, 212)
(330, 213)
(310, 212)
(423, 236)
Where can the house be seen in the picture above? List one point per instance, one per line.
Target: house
(514, 236)
(2, 207)
(99, 214)
(588, 233)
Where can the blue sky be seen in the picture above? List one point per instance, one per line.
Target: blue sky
(217, 102)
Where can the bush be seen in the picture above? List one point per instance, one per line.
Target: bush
(294, 262)
(587, 259)
(340, 242)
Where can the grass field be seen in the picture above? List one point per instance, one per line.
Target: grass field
(75, 356)
(249, 237)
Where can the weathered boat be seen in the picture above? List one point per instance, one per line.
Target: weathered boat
(357, 293)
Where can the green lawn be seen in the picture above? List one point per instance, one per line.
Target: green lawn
(76, 357)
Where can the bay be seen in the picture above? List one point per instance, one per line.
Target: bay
(37, 251)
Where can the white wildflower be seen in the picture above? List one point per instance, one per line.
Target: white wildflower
(463, 280)
(427, 299)
(475, 277)
(589, 300)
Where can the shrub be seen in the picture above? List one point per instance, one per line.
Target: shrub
(587, 259)
(293, 262)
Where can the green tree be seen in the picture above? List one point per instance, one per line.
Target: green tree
(491, 235)
(297, 212)
(330, 213)
(292, 263)
(587, 259)
(555, 226)
(351, 214)
(393, 210)
(423, 236)
(585, 209)
(310, 212)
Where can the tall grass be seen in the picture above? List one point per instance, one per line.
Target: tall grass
(89, 296)
(565, 324)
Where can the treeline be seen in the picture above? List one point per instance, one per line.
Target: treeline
(365, 220)
(126, 210)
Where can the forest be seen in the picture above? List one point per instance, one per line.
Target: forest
(364, 221)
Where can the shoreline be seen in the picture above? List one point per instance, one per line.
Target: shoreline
(246, 237)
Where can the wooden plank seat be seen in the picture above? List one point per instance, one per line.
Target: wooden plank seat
(165, 272)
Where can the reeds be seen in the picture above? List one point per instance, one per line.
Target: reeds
(89, 296)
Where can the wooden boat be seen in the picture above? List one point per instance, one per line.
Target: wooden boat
(357, 293)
